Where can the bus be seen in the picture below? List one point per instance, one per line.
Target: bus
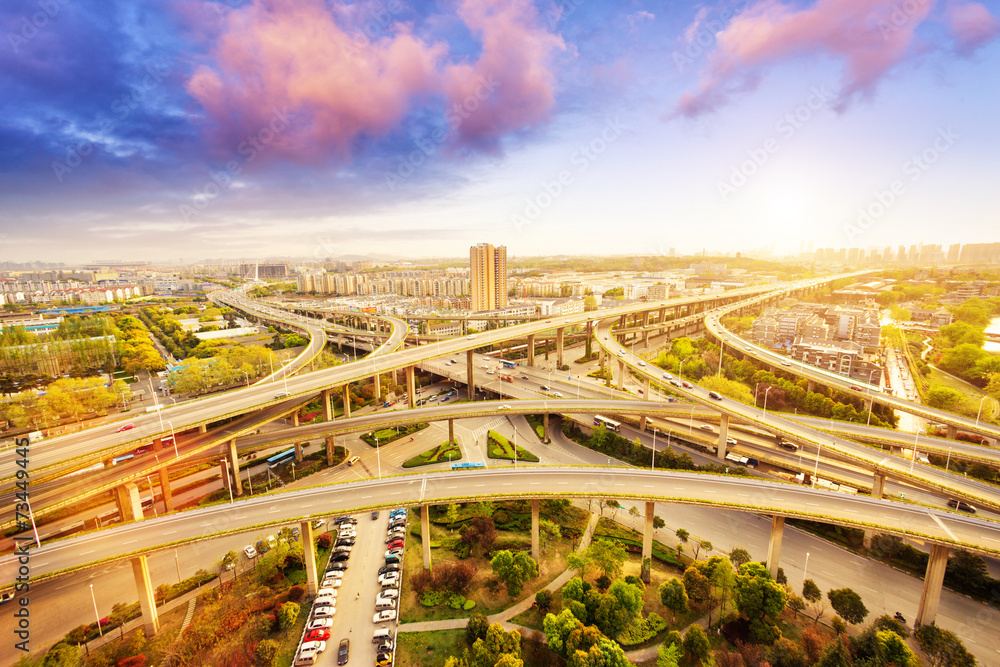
(281, 457)
(507, 364)
(609, 424)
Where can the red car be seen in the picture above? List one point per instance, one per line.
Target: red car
(398, 542)
(126, 427)
(318, 635)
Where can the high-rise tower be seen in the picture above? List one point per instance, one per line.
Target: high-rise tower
(488, 268)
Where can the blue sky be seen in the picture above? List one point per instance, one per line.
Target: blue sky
(319, 128)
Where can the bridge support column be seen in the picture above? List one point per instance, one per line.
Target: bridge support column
(470, 375)
(295, 418)
(646, 390)
(774, 545)
(202, 428)
(621, 374)
(411, 386)
(298, 452)
(878, 485)
(930, 596)
(531, 350)
(234, 462)
(952, 431)
(309, 556)
(811, 386)
(165, 492)
(559, 346)
(128, 501)
(425, 534)
(642, 423)
(157, 444)
(329, 450)
(545, 425)
(535, 552)
(647, 541)
(327, 401)
(147, 600)
(451, 431)
(378, 388)
(347, 401)
(723, 435)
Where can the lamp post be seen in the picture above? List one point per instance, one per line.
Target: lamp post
(247, 376)
(653, 464)
(763, 416)
(691, 419)
(173, 438)
(819, 449)
(980, 413)
(870, 405)
(913, 458)
(946, 463)
(34, 528)
(96, 613)
(378, 455)
(805, 569)
(722, 350)
(177, 564)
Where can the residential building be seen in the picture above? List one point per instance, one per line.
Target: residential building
(488, 270)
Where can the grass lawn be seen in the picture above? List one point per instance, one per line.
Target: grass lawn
(432, 649)
(968, 391)
(501, 448)
(444, 452)
(553, 563)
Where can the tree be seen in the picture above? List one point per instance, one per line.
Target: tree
(786, 653)
(558, 628)
(668, 655)
(674, 597)
(796, 603)
(658, 522)
(266, 653)
(476, 628)
(495, 646)
(615, 506)
(891, 650)
(837, 654)
(548, 531)
(943, 647)
(480, 534)
(452, 514)
(739, 557)
(848, 605)
(513, 570)
(812, 593)
(682, 535)
(702, 544)
(287, 614)
(634, 512)
(696, 585)
(761, 600)
(696, 644)
(543, 600)
(608, 556)
(604, 653)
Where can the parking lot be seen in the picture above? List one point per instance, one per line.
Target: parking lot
(356, 597)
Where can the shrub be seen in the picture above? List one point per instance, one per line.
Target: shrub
(266, 653)
(456, 601)
(501, 518)
(433, 598)
(838, 625)
(287, 615)
(543, 600)
(296, 593)
(602, 582)
(134, 661)
(635, 581)
(476, 628)
(469, 604)
(324, 541)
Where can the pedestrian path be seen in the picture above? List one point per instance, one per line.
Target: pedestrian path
(166, 662)
(496, 423)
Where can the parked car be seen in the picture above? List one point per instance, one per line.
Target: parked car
(324, 611)
(383, 659)
(249, 551)
(326, 591)
(317, 647)
(387, 569)
(318, 635)
(319, 624)
(389, 579)
(337, 566)
(384, 616)
(343, 651)
(339, 557)
(389, 593)
(332, 583)
(374, 515)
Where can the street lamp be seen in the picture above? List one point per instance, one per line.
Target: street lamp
(691, 419)
(819, 449)
(805, 569)
(722, 350)
(870, 405)
(173, 438)
(247, 376)
(763, 416)
(653, 464)
(946, 463)
(980, 413)
(96, 613)
(378, 455)
(34, 528)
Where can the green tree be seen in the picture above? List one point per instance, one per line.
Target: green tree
(658, 522)
(266, 653)
(668, 655)
(962, 358)
(514, 570)
(760, 599)
(674, 597)
(497, 644)
(837, 654)
(892, 650)
(848, 605)
(608, 556)
(696, 644)
(548, 531)
(943, 398)
(287, 614)
(558, 628)
(943, 647)
(739, 557)
(682, 535)
(604, 653)
(696, 585)
(476, 628)
(786, 653)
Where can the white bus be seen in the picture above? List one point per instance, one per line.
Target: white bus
(609, 424)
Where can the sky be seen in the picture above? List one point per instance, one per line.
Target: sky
(318, 128)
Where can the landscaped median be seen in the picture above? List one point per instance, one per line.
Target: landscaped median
(387, 435)
(445, 452)
(501, 448)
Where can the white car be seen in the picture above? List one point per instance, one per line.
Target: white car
(320, 623)
(490, 373)
(642, 363)
(471, 336)
(384, 615)
(327, 590)
(317, 647)
(388, 578)
(332, 583)
(324, 611)
(388, 594)
(505, 407)
(557, 394)
(249, 551)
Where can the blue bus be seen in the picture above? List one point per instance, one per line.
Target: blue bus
(507, 364)
(281, 457)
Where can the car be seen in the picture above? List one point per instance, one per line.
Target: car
(385, 646)
(345, 541)
(706, 427)
(388, 570)
(343, 651)
(548, 321)
(397, 551)
(319, 624)
(543, 387)
(318, 635)
(319, 523)
(345, 519)
(786, 363)
(399, 511)
(505, 407)
(348, 532)
(642, 363)
(315, 647)
(397, 526)
(6, 596)
(343, 549)
(855, 388)
(388, 579)
(354, 459)
(384, 616)
(249, 551)
(961, 505)
(332, 583)
(525, 377)
(490, 372)
(335, 567)
(557, 394)
(687, 385)
(333, 575)
(675, 382)
(383, 659)
(471, 336)
(621, 353)
(731, 441)
(395, 543)
(444, 399)
(282, 394)
(326, 590)
(339, 557)
(388, 593)
(714, 395)
(324, 611)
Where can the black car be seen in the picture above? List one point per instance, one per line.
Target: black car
(340, 557)
(343, 651)
(374, 515)
(961, 505)
(389, 567)
(345, 542)
(337, 566)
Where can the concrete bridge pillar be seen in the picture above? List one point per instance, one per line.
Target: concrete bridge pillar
(309, 556)
(545, 425)
(642, 423)
(535, 552)
(723, 434)
(930, 596)
(295, 418)
(646, 390)
(952, 431)
(470, 374)
(559, 346)
(147, 598)
(878, 485)
(347, 401)
(451, 431)
(647, 541)
(621, 373)
(425, 534)
(327, 402)
(168, 497)
(531, 349)
(811, 386)
(378, 389)
(329, 450)
(234, 462)
(128, 501)
(774, 545)
(202, 428)
(157, 444)
(298, 452)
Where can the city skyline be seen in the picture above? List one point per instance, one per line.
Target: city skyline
(573, 129)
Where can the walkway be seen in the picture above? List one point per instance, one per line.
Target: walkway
(503, 617)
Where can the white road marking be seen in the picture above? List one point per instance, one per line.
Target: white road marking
(130, 542)
(944, 527)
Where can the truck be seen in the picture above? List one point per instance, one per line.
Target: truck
(506, 378)
(35, 436)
